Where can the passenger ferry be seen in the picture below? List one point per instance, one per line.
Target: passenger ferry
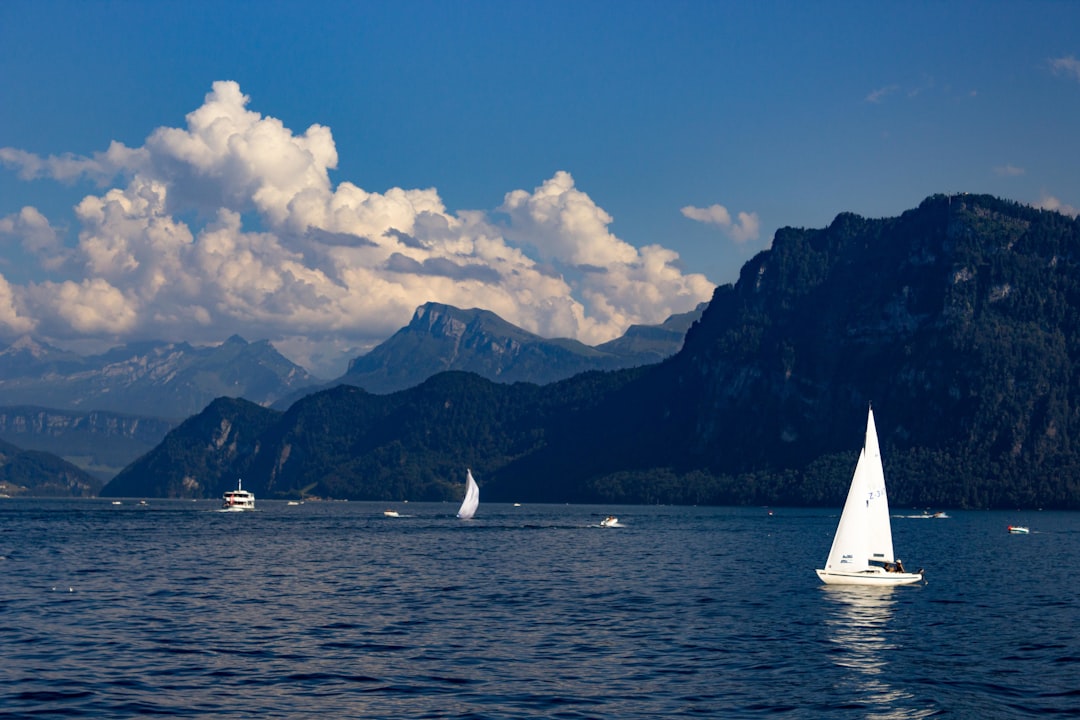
(238, 499)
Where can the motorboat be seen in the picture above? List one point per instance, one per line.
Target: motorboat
(391, 513)
(238, 499)
(609, 521)
(1018, 530)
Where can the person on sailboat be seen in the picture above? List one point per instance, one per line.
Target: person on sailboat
(900, 565)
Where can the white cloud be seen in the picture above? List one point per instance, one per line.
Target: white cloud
(1069, 66)
(564, 224)
(92, 306)
(744, 228)
(102, 167)
(879, 95)
(12, 319)
(38, 238)
(1009, 170)
(1049, 202)
(231, 225)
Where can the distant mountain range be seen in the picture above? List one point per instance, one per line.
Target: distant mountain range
(103, 411)
(151, 379)
(958, 320)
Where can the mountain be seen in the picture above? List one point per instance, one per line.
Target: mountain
(650, 344)
(959, 320)
(347, 443)
(27, 473)
(230, 426)
(99, 442)
(442, 337)
(152, 379)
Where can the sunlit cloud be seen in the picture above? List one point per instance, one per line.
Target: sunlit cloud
(231, 224)
(744, 228)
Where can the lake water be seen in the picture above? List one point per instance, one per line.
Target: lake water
(332, 610)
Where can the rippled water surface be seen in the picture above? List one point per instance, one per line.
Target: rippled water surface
(331, 609)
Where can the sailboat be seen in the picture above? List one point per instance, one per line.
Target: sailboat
(472, 497)
(862, 549)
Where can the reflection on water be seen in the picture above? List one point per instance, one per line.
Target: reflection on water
(859, 621)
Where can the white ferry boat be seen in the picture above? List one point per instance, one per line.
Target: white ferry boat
(238, 499)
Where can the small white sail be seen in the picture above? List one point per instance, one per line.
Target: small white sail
(863, 540)
(472, 497)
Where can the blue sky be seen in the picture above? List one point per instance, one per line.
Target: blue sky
(573, 166)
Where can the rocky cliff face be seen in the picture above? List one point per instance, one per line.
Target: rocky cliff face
(957, 320)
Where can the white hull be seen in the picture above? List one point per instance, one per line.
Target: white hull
(879, 578)
(862, 547)
(238, 499)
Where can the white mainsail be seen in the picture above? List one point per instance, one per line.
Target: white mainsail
(472, 497)
(863, 541)
(864, 532)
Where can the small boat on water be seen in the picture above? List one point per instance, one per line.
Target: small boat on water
(238, 499)
(609, 521)
(862, 549)
(1018, 530)
(391, 513)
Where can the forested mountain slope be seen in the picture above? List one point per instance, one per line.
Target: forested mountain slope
(959, 320)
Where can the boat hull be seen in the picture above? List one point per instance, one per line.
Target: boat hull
(878, 578)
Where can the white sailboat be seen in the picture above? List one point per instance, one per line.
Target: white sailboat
(472, 497)
(862, 549)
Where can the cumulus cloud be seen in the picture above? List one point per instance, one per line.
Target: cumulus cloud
(37, 237)
(230, 224)
(744, 228)
(101, 167)
(1068, 66)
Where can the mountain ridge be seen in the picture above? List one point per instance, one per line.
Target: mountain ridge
(150, 378)
(959, 320)
(442, 337)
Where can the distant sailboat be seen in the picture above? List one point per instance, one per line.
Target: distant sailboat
(862, 549)
(472, 497)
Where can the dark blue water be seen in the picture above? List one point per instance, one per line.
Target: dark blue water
(332, 610)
